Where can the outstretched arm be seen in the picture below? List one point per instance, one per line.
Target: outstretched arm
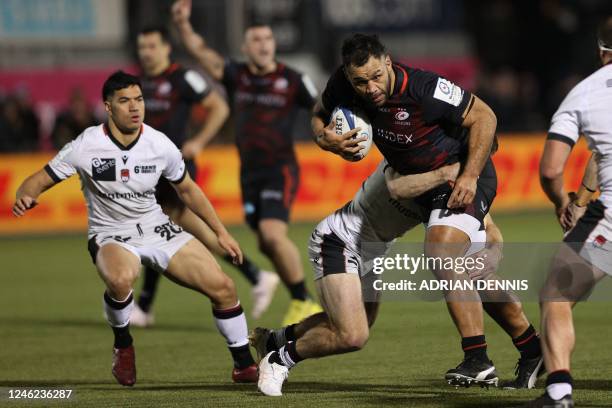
(196, 201)
(195, 44)
(413, 185)
(29, 190)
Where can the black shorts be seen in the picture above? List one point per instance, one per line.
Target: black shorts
(166, 194)
(268, 193)
(435, 202)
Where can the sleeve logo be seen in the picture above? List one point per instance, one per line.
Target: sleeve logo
(448, 92)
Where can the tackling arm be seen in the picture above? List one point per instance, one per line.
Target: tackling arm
(197, 202)
(195, 44)
(29, 190)
(413, 185)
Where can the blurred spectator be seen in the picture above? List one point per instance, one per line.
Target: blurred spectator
(71, 122)
(19, 125)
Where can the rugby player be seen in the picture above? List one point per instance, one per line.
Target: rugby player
(119, 163)
(422, 122)
(584, 259)
(170, 92)
(343, 278)
(265, 97)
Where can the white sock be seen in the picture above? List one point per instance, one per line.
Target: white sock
(285, 357)
(118, 311)
(558, 390)
(232, 325)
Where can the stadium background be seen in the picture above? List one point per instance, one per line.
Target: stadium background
(521, 57)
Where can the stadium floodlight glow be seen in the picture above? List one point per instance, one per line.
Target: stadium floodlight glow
(603, 46)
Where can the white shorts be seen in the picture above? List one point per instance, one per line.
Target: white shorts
(154, 243)
(591, 237)
(330, 253)
(463, 222)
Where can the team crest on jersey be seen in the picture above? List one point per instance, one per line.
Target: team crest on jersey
(402, 115)
(164, 88)
(103, 169)
(281, 84)
(125, 175)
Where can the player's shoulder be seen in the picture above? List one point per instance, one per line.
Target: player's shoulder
(90, 136)
(599, 79)
(154, 135)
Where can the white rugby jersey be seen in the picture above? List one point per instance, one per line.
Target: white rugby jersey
(373, 216)
(118, 181)
(587, 109)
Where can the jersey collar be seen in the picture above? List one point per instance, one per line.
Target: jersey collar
(401, 80)
(107, 132)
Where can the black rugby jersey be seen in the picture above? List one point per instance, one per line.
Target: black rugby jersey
(169, 98)
(419, 128)
(265, 108)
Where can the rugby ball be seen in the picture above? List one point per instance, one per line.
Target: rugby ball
(346, 119)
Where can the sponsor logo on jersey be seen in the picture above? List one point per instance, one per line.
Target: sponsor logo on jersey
(125, 175)
(124, 159)
(146, 169)
(394, 137)
(164, 88)
(448, 92)
(103, 169)
(281, 84)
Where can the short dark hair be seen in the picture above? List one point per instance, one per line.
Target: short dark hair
(358, 49)
(160, 29)
(118, 80)
(604, 33)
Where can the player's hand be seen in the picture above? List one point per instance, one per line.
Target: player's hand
(345, 145)
(230, 245)
(181, 11)
(451, 172)
(489, 257)
(573, 212)
(463, 192)
(191, 148)
(562, 208)
(22, 204)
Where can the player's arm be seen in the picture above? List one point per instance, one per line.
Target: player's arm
(413, 185)
(195, 44)
(326, 138)
(481, 122)
(552, 164)
(218, 111)
(196, 201)
(577, 207)
(29, 190)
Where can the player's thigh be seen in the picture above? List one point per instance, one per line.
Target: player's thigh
(340, 295)
(117, 265)
(195, 267)
(199, 229)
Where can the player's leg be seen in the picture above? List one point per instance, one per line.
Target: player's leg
(194, 267)
(118, 267)
(274, 198)
(264, 282)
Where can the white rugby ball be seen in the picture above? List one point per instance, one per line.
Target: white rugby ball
(346, 119)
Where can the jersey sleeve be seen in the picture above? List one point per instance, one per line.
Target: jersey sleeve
(175, 170)
(64, 164)
(307, 92)
(195, 86)
(338, 91)
(565, 124)
(440, 99)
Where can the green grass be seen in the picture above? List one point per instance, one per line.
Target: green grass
(52, 334)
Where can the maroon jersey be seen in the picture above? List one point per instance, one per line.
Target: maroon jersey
(419, 128)
(169, 98)
(265, 108)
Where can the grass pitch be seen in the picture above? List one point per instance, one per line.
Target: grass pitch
(52, 335)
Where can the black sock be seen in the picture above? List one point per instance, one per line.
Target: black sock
(528, 343)
(561, 376)
(475, 347)
(149, 288)
(123, 338)
(298, 291)
(242, 356)
(275, 358)
(290, 332)
(248, 269)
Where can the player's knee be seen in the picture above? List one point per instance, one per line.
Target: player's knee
(121, 283)
(269, 242)
(225, 292)
(354, 340)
